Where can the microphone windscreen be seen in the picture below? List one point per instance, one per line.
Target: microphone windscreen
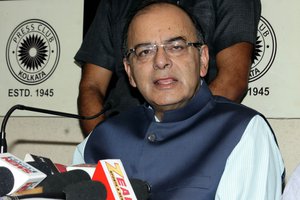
(6, 181)
(56, 182)
(85, 190)
(141, 188)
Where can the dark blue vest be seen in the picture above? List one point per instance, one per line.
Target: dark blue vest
(182, 157)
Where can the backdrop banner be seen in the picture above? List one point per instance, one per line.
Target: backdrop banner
(274, 87)
(38, 41)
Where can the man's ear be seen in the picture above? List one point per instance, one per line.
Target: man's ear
(204, 59)
(128, 72)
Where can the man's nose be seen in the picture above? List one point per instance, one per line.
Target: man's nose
(161, 59)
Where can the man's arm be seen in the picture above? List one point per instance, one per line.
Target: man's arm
(255, 168)
(92, 90)
(233, 64)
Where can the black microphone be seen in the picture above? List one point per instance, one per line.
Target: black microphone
(52, 186)
(56, 182)
(95, 190)
(78, 186)
(85, 190)
(142, 189)
(3, 144)
(8, 184)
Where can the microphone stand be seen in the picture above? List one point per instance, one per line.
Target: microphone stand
(3, 143)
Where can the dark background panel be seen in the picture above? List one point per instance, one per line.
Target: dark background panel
(90, 8)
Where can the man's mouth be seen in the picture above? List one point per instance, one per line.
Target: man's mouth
(165, 81)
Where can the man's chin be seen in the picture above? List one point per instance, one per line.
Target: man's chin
(168, 104)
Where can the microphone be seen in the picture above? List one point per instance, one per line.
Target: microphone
(83, 190)
(95, 190)
(75, 185)
(53, 186)
(5, 186)
(56, 182)
(86, 190)
(112, 174)
(41, 163)
(21, 175)
(141, 188)
(3, 143)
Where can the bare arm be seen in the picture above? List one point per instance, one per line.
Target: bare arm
(92, 89)
(233, 65)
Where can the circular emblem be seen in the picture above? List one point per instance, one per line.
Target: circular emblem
(32, 52)
(265, 50)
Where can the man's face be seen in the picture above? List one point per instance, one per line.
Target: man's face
(168, 77)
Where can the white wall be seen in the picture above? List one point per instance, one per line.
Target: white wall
(56, 138)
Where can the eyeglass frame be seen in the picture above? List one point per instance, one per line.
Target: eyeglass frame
(197, 44)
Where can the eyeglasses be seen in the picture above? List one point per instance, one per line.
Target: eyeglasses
(173, 48)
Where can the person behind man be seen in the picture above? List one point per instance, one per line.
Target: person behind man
(230, 28)
(185, 142)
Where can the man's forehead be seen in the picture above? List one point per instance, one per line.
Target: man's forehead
(160, 8)
(166, 21)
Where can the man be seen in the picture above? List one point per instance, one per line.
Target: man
(186, 143)
(230, 28)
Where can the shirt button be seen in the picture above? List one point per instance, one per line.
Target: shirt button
(152, 137)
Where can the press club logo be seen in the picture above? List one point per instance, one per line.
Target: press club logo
(32, 52)
(265, 50)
